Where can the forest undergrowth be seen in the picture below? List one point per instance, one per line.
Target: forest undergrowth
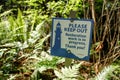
(25, 31)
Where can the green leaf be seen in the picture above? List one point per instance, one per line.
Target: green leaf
(105, 73)
(6, 13)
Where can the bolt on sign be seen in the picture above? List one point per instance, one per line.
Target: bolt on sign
(71, 38)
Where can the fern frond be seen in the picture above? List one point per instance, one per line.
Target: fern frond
(12, 77)
(6, 13)
(36, 74)
(105, 72)
(68, 73)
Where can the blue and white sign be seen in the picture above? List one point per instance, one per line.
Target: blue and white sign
(71, 38)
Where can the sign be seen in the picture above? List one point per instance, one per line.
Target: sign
(71, 38)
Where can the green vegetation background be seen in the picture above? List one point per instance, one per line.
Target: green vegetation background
(25, 40)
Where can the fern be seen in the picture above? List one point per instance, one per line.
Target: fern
(105, 73)
(68, 73)
(12, 77)
(36, 75)
(5, 13)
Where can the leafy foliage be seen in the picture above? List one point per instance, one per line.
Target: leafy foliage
(70, 73)
(105, 74)
(25, 40)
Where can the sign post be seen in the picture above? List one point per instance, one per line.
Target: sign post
(68, 61)
(71, 38)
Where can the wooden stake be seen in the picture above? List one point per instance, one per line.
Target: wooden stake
(68, 61)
